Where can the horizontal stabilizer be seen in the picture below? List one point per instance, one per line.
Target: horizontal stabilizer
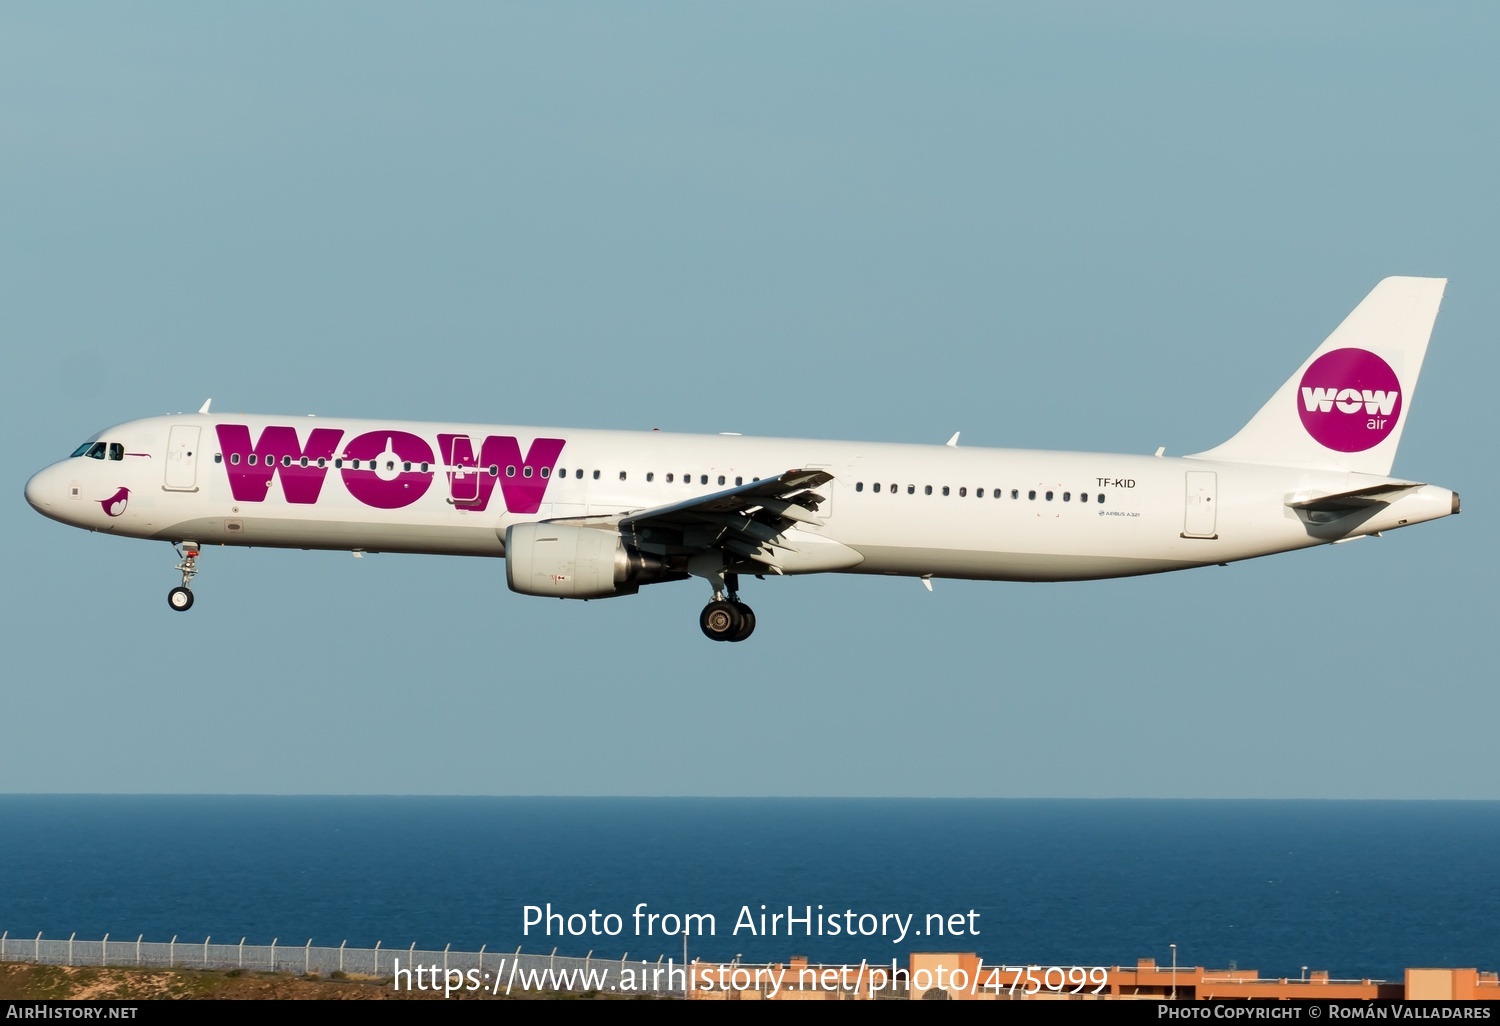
(1360, 498)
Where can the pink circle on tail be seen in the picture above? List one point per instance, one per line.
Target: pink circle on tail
(1349, 400)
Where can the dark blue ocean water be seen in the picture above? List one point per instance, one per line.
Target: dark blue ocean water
(1357, 888)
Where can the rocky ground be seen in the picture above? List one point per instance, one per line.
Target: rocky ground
(26, 982)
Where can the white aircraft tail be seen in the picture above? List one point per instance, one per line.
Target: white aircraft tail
(1346, 406)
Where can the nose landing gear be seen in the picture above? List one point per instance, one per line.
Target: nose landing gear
(727, 619)
(181, 598)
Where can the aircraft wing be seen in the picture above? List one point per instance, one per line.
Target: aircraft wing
(748, 522)
(771, 500)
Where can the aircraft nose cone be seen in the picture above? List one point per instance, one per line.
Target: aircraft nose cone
(46, 491)
(36, 492)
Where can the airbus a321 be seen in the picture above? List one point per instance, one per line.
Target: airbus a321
(596, 514)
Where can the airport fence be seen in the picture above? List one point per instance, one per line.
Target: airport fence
(489, 972)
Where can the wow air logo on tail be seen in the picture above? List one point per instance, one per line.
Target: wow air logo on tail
(1349, 400)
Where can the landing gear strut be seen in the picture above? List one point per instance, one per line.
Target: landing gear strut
(726, 618)
(181, 598)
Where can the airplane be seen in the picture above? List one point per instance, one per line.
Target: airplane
(590, 514)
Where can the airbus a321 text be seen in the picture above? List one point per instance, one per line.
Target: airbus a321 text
(595, 514)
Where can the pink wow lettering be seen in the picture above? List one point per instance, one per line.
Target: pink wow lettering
(1349, 400)
(387, 469)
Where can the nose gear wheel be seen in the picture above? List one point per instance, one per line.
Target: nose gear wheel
(181, 597)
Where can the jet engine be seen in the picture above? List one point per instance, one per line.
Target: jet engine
(561, 561)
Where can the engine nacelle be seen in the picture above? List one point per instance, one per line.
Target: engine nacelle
(561, 561)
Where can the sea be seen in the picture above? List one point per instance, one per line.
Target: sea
(1361, 889)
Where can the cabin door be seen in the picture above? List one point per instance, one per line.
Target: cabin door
(182, 458)
(1201, 518)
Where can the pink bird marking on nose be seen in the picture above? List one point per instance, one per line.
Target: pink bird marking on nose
(115, 504)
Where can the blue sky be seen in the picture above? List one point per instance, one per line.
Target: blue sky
(1068, 226)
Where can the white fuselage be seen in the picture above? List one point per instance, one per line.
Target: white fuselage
(918, 510)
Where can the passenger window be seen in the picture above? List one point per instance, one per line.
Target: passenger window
(963, 492)
(1031, 495)
(739, 481)
(927, 490)
(494, 470)
(979, 493)
(911, 489)
(721, 479)
(525, 471)
(251, 461)
(669, 479)
(1015, 493)
(945, 489)
(596, 475)
(877, 486)
(510, 471)
(218, 457)
(893, 488)
(703, 479)
(622, 475)
(560, 472)
(1049, 496)
(859, 486)
(405, 464)
(1067, 496)
(578, 474)
(1083, 496)
(1101, 498)
(650, 476)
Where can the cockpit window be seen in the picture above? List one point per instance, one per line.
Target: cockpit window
(93, 450)
(116, 451)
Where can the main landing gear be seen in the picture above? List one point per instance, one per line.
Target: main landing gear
(181, 598)
(727, 619)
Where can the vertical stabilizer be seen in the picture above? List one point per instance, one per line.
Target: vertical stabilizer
(1347, 405)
